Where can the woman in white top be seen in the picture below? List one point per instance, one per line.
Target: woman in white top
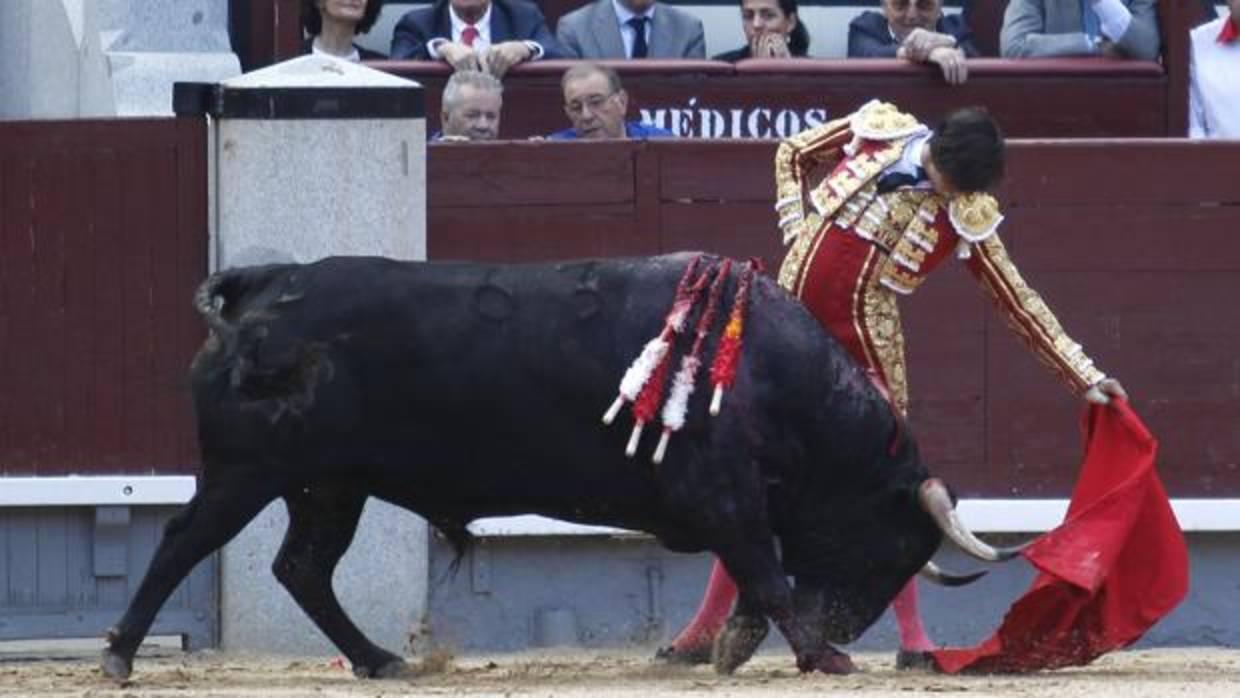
(331, 26)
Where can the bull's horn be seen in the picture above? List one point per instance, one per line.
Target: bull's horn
(938, 504)
(936, 574)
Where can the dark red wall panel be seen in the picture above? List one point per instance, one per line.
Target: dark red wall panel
(1132, 243)
(102, 238)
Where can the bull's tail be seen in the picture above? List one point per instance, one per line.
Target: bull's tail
(209, 301)
(219, 296)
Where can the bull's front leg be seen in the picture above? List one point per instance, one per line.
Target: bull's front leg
(764, 591)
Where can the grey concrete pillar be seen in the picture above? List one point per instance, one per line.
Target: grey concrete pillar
(310, 158)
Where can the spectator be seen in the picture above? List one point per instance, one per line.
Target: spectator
(596, 103)
(772, 30)
(1208, 11)
(915, 30)
(331, 25)
(486, 35)
(897, 200)
(1214, 77)
(1048, 28)
(631, 29)
(472, 102)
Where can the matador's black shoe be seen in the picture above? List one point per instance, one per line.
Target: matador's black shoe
(737, 642)
(915, 660)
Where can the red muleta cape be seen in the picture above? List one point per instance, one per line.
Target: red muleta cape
(1115, 566)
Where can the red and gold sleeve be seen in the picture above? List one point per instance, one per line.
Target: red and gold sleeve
(795, 158)
(1029, 315)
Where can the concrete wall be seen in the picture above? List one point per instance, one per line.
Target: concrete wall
(78, 58)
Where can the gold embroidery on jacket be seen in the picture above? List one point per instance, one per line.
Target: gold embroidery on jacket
(882, 120)
(884, 340)
(790, 268)
(897, 279)
(794, 157)
(974, 215)
(840, 186)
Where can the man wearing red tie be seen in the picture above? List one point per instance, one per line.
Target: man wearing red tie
(897, 200)
(1214, 87)
(487, 35)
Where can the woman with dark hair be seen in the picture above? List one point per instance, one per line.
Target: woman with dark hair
(331, 26)
(772, 30)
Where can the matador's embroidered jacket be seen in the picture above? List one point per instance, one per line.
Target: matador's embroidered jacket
(856, 250)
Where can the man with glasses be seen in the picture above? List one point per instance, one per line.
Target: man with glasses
(596, 104)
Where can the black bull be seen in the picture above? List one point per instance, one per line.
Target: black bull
(461, 391)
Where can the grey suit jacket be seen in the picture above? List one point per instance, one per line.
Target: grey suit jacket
(1048, 28)
(593, 31)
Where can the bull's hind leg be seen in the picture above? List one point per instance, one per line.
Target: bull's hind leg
(219, 511)
(322, 522)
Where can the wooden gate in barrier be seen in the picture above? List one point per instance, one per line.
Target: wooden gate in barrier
(103, 236)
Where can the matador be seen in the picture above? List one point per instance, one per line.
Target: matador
(897, 199)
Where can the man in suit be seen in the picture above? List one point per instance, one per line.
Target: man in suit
(915, 30)
(631, 29)
(487, 35)
(596, 104)
(1048, 28)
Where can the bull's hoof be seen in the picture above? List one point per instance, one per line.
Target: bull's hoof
(737, 642)
(915, 660)
(116, 665)
(391, 667)
(689, 656)
(835, 662)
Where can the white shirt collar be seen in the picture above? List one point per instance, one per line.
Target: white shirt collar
(483, 25)
(315, 50)
(910, 159)
(624, 14)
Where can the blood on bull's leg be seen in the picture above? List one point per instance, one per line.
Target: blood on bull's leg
(322, 522)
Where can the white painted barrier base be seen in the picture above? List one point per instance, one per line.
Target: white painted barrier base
(988, 515)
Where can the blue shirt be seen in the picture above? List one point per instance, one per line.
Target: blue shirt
(632, 129)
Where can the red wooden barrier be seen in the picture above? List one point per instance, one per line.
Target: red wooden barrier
(1127, 241)
(102, 240)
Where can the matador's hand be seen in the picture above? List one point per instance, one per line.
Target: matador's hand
(1105, 389)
